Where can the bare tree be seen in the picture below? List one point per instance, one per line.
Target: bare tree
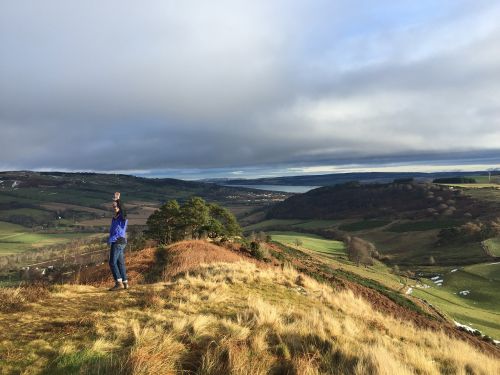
(360, 251)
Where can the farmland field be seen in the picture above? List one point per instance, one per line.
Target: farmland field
(493, 245)
(475, 185)
(9, 229)
(310, 241)
(494, 179)
(17, 239)
(489, 271)
(479, 303)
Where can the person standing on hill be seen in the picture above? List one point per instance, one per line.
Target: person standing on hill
(118, 240)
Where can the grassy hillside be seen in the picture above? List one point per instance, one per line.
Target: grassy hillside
(232, 315)
(407, 234)
(479, 308)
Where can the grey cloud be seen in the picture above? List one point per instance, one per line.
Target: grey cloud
(230, 84)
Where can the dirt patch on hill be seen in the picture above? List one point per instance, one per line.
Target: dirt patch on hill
(188, 255)
(153, 265)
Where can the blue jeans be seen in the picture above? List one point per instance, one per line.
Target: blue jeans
(117, 261)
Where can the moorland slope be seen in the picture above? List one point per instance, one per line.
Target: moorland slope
(199, 308)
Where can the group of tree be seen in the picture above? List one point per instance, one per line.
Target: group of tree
(193, 219)
(470, 232)
(399, 199)
(361, 251)
(259, 237)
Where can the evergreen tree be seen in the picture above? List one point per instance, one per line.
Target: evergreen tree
(195, 217)
(229, 224)
(164, 225)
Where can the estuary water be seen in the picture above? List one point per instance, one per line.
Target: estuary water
(284, 188)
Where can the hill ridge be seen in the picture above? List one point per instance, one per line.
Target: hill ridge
(224, 317)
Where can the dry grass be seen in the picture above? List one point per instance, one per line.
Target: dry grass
(154, 351)
(137, 263)
(186, 256)
(237, 318)
(20, 298)
(151, 264)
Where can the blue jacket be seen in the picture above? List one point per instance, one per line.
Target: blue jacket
(118, 229)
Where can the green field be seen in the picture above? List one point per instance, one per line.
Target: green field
(494, 179)
(310, 241)
(9, 229)
(489, 271)
(364, 225)
(17, 239)
(474, 186)
(333, 253)
(481, 308)
(493, 245)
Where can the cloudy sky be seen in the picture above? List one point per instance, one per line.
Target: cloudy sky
(249, 88)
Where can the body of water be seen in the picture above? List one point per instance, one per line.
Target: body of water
(284, 188)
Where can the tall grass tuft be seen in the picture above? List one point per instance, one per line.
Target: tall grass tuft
(19, 298)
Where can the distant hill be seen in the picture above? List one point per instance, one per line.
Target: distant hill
(96, 188)
(393, 200)
(340, 178)
(34, 199)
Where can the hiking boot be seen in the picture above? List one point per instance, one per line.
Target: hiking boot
(125, 284)
(118, 286)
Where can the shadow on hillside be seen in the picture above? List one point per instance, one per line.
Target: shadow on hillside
(162, 259)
